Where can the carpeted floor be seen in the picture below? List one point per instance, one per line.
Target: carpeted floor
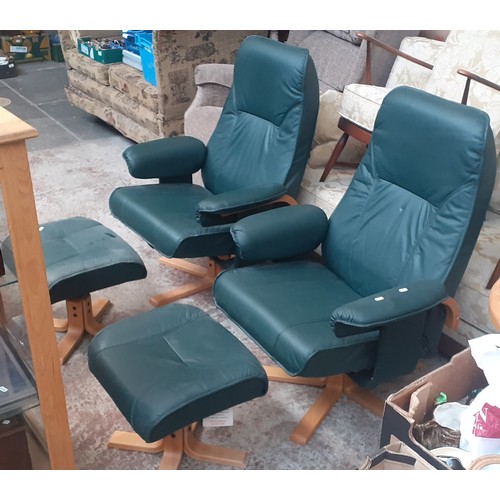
(75, 176)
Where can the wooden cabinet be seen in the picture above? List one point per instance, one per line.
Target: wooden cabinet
(14, 452)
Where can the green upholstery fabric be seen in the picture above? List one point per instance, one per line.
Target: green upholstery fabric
(165, 158)
(414, 212)
(82, 256)
(267, 124)
(408, 221)
(245, 198)
(272, 235)
(171, 367)
(286, 309)
(263, 139)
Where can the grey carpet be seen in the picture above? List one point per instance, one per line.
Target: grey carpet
(77, 179)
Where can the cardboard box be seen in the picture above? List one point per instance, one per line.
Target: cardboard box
(396, 456)
(414, 404)
(27, 48)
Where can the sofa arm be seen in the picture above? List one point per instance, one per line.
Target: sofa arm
(394, 304)
(166, 158)
(279, 234)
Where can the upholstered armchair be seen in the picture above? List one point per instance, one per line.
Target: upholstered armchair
(340, 57)
(394, 252)
(442, 68)
(254, 161)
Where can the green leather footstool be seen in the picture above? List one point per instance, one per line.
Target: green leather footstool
(166, 370)
(81, 256)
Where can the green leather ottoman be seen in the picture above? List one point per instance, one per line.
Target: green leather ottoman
(167, 369)
(81, 256)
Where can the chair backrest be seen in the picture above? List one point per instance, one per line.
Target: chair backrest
(417, 200)
(265, 131)
(408, 73)
(340, 55)
(479, 53)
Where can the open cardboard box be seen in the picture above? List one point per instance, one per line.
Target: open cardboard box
(414, 404)
(396, 456)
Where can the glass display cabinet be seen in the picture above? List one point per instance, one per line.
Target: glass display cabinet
(24, 385)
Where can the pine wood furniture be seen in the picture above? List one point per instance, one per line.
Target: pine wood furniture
(17, 190)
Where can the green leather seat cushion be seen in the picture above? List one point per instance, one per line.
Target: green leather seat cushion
(146, 207)
(173, 366)
(82, 256)
(286, 308)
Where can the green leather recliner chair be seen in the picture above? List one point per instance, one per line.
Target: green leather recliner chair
(393, 254)
(254, 161)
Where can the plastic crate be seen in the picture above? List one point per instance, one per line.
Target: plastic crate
(145, 42)
(132, 59)
(130, 38)
(56, 53)
(104, 56)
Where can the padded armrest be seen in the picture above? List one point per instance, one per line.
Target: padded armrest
(220, 74)
(237, 201)
(169, 157)
(281, 233)
(385, 307)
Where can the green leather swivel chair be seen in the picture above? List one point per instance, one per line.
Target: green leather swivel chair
(393, 254)
(254, 161)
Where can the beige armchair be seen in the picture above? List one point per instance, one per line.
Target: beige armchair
(431, 65)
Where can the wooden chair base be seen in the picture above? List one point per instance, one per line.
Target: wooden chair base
(83, 317)
(175, 446)
(334, 387)
(206, 280)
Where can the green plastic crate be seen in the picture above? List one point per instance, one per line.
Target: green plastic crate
(56, 53)
(104, 56)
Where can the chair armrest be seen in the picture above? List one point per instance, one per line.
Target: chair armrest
(370, 40)
(166, 158)
(472, 76)
(391, 305)
(279, 234)
(219, 208)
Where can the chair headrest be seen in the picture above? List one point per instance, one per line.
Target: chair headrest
(258, 77)
(437, 143)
